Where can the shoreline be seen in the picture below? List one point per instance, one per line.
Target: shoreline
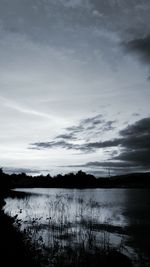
(13, 250)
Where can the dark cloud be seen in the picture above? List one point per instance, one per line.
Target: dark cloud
(93, 120)
(108, 126)
(136, 157)
(93, 125)
(140, 47)
(136, 143)
(75, 129)
(68, 136)
(84, 130)
(133, 143)
(86, 124)
(96, 145)
(53, 144)
(139, 128)
(86, 147)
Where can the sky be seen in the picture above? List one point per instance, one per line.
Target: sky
(75, 86)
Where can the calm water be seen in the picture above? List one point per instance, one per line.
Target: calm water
(120, 217)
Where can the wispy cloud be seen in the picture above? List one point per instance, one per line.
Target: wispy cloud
(22, 108)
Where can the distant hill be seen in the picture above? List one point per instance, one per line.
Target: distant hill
(135, 180)
(132, 179)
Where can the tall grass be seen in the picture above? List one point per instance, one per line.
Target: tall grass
(66, 232)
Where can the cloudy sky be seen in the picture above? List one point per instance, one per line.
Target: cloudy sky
(75, 86)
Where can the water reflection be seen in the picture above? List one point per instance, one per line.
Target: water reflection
(137, 212)
(91, 217)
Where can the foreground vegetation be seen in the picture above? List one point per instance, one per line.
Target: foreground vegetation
(60, 238)
(57, 242)
(18, 249)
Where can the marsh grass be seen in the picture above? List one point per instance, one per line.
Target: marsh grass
(69, 233)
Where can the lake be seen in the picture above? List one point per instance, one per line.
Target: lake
(118, 218)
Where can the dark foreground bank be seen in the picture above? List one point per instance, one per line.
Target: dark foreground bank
(13, 250)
